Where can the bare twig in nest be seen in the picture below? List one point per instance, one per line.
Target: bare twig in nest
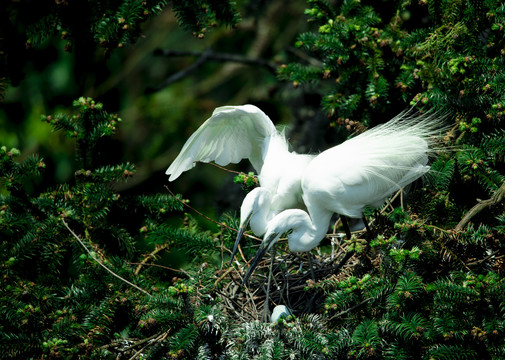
(99, 262)
(481, 205)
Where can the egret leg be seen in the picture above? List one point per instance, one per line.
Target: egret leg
(345, 225)
(367, 227)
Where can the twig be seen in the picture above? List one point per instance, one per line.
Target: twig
(228, 170)
(151, 255)
(224, 57)
(481, 205)
(99, 262)
(158, 337)
(163, 267)
(183, 73)
(477, 262)
(140, 342)
(350, 309)
(223, 276)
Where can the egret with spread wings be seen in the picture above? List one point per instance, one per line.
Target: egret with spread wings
(234, 133)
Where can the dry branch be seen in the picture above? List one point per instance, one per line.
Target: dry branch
(481, 205)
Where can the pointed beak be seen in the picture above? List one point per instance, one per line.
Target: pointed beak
(240, 233)
(265, 245)
(237, 241)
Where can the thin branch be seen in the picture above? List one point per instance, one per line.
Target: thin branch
(150, 256)
(228, 170)
(162, 267)
(100, 263)
(203, 57)
(350, 309)
(224, 57)
(183, 73)
(481, 205)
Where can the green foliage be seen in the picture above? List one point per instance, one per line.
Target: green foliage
(367, 57)
(88, 271)
(479, 162)
(300, 338)
(87, 25)
(248, 181)
(198, 15)
(66, 254)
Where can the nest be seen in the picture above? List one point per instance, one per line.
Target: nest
(286, 278)
(289, 279)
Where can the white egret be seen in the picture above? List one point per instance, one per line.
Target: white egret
(234, 133)
(361, 172)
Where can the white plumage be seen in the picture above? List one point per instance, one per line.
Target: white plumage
(234, 133)
(361, 172)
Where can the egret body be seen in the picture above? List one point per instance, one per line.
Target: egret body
(234, 133)
(361, 172)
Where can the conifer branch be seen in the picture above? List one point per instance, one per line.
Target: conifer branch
(99, 262)
(208, 218)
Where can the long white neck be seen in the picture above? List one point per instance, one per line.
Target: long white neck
(310, 237)
(307, 233)
(257, 206)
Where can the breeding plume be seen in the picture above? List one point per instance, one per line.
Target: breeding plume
(361, 172)
(234, 133)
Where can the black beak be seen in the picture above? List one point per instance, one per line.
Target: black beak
(239, 237)
(265, 245)
(237, 241)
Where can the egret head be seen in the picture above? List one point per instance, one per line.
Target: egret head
(255, 210)
(302, 232)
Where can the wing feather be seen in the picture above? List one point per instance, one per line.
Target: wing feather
(231, 134)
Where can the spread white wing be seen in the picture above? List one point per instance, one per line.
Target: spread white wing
(231, 134)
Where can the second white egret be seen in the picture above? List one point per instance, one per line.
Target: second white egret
(234, 133)
(361, 172)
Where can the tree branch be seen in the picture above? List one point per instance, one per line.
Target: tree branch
(99, 262)
(183, 73)
(481, 205)
(224, 57)
(208, 54)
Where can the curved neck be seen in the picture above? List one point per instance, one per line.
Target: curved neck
(309, 231)
(259, 220)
